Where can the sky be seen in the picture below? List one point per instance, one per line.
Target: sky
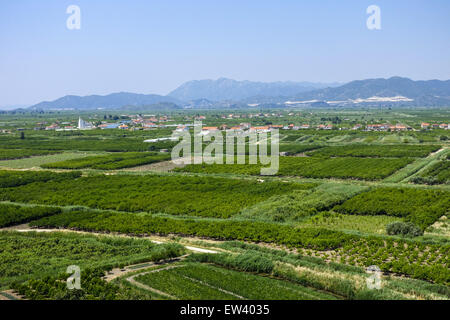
(153, 46)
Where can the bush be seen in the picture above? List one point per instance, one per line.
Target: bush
(406, 229)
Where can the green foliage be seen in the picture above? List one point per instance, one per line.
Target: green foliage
(7, 154)
(439, 173)
(32, 255)
(293, 148)
(314, 167)
(55, 288)
(406, 229)
(299, 204)
(178, 195)
(385, 151)
(110, 162)
(216, 229)
(200, 281)
(249, 261)
(13, 214)
(419, 206)
(113, 143)
(18, 178)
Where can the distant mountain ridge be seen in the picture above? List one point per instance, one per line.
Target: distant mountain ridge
(431, 92)
(110, 101)
(229, 89)
(227, 93)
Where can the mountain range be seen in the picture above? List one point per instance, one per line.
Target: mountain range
(110, 101)
(229, 89)
(230, 93)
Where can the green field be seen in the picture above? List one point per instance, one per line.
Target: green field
(420, 206)
(36, 255)
(176, 195)
(314, 167)
(109, 162)
(199, 281)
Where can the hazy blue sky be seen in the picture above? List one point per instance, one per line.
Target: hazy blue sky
(154, 46)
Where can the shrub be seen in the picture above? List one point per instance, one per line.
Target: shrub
(406, 229)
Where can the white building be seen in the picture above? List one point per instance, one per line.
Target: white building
(83, 125)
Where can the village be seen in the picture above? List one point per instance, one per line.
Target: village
(151, 122)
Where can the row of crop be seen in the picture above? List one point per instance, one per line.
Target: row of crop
(314, 167)
(13, 214)
(313, 238)
(395, 151)
(7, 154)
(419, 206)
(177, 195)
(9, 178)
(109, 162)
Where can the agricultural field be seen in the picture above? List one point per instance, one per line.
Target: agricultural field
(175, 195)
(110, 162)
(341, 201)
(30, 255)
(314, 167)
(36, 162)
(438, 173)
(199, 281)
(384, 151)
(420, 206)
(9, 178)
(8, 154)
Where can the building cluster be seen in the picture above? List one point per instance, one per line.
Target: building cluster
(428, 126)
(387, 127)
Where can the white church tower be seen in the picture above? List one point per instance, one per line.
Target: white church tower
(83, 125)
